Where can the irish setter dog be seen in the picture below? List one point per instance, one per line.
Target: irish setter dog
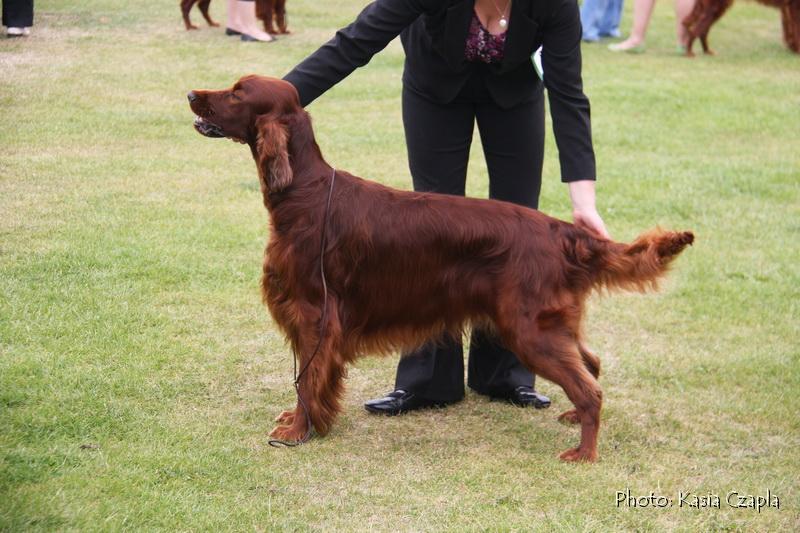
(706, 12)
(405, 267)
(186, 6)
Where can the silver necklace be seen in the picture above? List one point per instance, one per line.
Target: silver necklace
(503, 20)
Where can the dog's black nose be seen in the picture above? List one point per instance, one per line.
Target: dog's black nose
(191, 96)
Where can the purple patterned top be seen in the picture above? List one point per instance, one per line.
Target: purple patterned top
(482, 45)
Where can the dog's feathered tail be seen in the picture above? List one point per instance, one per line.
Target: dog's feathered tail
(636, 266)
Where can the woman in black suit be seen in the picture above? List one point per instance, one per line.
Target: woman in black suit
(468, 61)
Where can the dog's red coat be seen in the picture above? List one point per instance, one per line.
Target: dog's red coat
(404, 267)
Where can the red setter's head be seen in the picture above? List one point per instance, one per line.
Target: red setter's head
(255, 111)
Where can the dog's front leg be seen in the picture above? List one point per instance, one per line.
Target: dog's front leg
(320, 385)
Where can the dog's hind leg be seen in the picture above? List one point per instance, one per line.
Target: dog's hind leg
(265, 10)
(701, 29)
(320, 385)
(280, 16)
(563, 366)
(590, 360)
(790, 19)
(690, 44)
(704, 27)
(548, 347)
(186, 6)
(592, 364)
(203, 5)
(706, 48)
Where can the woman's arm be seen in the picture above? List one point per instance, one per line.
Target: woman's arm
(353, 46)
(569, 109)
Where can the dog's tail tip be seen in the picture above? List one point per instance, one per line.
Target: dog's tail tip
(673, 243)
(640, 265)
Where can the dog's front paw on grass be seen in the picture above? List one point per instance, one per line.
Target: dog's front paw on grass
(286, 418)
(576, 455)
(569, 417)
(288, 433)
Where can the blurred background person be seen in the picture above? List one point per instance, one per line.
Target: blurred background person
(242, 21)
(600, 18)
(642, 11)
(18, 17)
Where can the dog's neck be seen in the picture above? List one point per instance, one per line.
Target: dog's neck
(304, 152)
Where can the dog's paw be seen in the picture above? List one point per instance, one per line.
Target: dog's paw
(576, 455)
(288, 433)
(285, 418)
(569, 417)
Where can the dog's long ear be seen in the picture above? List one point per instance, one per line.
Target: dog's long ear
(272, 153)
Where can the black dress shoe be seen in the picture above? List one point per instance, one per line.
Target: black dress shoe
(229, 31)
(399, 402)
(525, 396)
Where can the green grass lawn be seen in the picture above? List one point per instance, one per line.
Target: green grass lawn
(139, 372)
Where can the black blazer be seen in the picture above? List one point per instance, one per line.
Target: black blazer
(434, 33)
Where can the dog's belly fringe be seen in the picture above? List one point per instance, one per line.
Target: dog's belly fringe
(404, 339)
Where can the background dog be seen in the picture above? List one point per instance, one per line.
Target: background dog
(707, 12)
(186, 6)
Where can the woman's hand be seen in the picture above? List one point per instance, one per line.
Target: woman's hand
(591, 219)
(584, 211)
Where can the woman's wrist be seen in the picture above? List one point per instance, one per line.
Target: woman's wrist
(582, 195)
(584, 210)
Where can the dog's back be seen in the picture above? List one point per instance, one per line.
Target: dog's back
(406, 266)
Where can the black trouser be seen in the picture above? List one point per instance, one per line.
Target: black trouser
(438, 137)
(18, 13)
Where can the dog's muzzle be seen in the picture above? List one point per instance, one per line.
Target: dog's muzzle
(207, 128)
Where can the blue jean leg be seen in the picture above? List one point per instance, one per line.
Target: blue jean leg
(591, 13)
(608, 25)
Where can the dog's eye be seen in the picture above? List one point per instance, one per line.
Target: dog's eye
(235, 96)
